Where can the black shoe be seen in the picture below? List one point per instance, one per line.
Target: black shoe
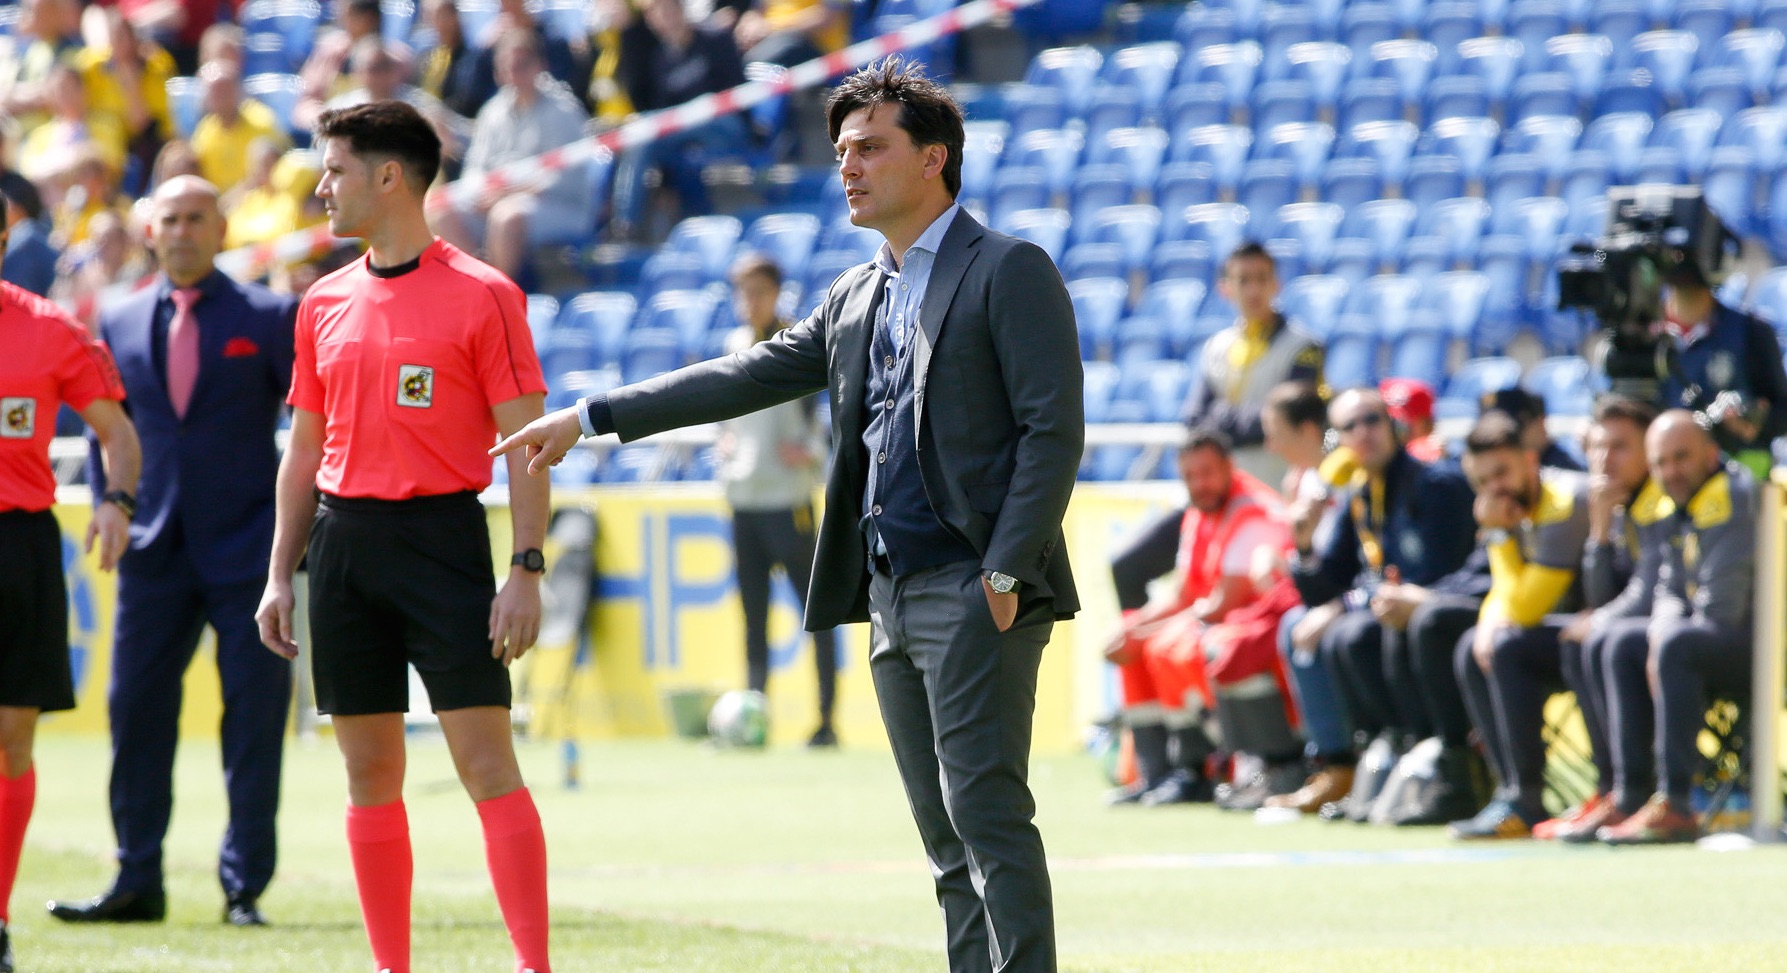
(244, 911)
(5, 949)
(824, 738)
(1251, 795)
(114, 906)
(1180, 787)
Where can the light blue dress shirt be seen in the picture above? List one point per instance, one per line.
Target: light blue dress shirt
(905, 296)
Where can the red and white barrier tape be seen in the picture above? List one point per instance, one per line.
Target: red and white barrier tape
(248, 262)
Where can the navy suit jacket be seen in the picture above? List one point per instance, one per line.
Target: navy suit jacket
(208, 479)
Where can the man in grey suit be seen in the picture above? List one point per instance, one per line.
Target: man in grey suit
(953, 368)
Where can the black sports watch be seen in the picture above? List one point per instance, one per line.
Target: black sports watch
(123, 501)
(531, 559)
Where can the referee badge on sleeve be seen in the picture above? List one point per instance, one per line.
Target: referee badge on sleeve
(415, 386)
(18, 417)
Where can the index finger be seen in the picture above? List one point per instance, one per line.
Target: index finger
(510, 444)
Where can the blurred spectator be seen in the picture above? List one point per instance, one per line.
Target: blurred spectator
(324, 74)
(378, 71)
(1528, 410)
(127, 79)
(612, 26)
(1691, 644)
(686, 61)
(274, 199)
(30, 259)
(1410, 402)
(71, 135)
(179, 26)
(109, 262)
(295, 277)
(48, 32)
(93, 190)
(1732, 363)
(462, 77)
(222, 42)
(230, 124)
(531, 114)
(176, 158)
(565, 60)
(787, 32)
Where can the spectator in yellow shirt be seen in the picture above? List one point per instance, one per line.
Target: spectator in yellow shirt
(127, 79)
(231, 123)
(52, 150)
(269, 203)
(787, 32)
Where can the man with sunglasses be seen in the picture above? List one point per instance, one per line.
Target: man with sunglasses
(1398, 520)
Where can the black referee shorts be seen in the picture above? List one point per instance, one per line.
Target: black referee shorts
(402, 581)
(34, 669)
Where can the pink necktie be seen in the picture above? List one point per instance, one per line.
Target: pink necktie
(183, 350)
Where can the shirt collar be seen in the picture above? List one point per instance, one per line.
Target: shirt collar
(164, 288)
(930, 241)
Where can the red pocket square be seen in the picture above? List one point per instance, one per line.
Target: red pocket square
(240, 348)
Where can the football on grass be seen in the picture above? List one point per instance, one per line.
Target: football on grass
(740, 718)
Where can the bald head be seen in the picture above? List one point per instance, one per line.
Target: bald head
(186, 228)
(1683, 455)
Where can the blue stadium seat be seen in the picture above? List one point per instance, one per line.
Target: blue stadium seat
(1386, 300)
(1721, 89)
(1497, 60)
(1323, 64)
(1221, 225)
(1190, 105)
(1472, 140)
(712, 239)
(1352, 260)
(1233, 66)
(1287, 256)
(1305, 144)
(1281, 102)
(1316, 301)
(280, 92)
(1057, 151)
(1631, 92)
(263, 52)
(1098, 304)
(186, 104)
(1776, 220)
(843, 236)
(687, 314)
(1503, 261)
(1462, 398)
(1021, 187)
(567, 387)
(1424, 256)
(295, 21)
(1182, 260)
(637, 462)
(1365, 24)
(1100, 387)
(1587, 58)
(1756, 52)
(1390, 143)
(1088, 260)
(1536, 220)
(1762, 130)
(1138, 343)
(1544, 93)
(1314, 226)
(1769, 15)
(1619, 20)
(1147, 68)
(1708, 20)
(1586, 176)
(1140, 150)
(475, 21)
(542, 314)
(983, 145)
(569, 351)
(822, 272)
(650, 352)
(1164, 394)
(605, 315)
(1564, 383)
(1370, 100)
(1174, 304)
(788, 239)
(1769, 297)
(1266, 184)
(1670, 56)
(1350, 182)
(1420, 351)
(1183, 184)
(1446, 25)
(1385, 223)
(1203, 25)
(1533, 22)
(1511, 176)
(1350, 357)
(1097, 187)
(1730, 186)
(1134, 228)
(1407, 62)
(1069, 70)
(1660, 164)
(1622, 136)
(1047, 228)
(1112, 108)
(1433, 177)
(1283, 25)
(670, 270)
(1457, 298)
(1692, 132)
(1587, 220)
(1225, 147)
(1028, 108)
(1206, 326)
(1457, 96)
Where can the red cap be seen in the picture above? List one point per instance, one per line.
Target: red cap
(1407, 399)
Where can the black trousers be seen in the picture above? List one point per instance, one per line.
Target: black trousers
(1507, 704)
(1677, 667)
(1353, 648)
(958, 696)
(1585, 673)
(1149, 555)
(1419, 669)
(761, 541)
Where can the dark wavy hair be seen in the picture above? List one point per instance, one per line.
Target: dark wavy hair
(928, 113)
(391, 129)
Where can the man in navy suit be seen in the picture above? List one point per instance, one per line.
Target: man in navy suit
(206, 363)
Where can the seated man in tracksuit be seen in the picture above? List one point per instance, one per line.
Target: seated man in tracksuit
(1534, 522)
(1697, 643)
(1398, 516)
(1619, 571)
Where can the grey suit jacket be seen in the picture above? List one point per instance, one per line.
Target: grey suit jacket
(999, 411)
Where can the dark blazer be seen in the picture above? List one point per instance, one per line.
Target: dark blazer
(1000, 417)
(212, 473)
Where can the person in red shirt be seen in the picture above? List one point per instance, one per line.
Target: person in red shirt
(46, 359)
(408, 362)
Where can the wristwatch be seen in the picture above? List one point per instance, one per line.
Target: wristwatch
(1002, 584)
(123, 501)
(532, 559)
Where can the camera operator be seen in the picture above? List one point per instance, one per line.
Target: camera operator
(1734, 360)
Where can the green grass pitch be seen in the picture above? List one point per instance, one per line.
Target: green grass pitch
(671, 856)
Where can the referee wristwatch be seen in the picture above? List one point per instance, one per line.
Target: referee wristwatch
(532, 559)
(1002, 584)
(123, 501)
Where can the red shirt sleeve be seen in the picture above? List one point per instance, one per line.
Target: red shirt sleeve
(307, 388)
(507, 366)
(85, 371)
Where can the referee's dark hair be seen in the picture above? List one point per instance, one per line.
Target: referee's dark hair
(1493, 430)
(1205, 437)
(929, 114)
(391, 129)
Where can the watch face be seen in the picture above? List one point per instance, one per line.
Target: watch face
(532, 560)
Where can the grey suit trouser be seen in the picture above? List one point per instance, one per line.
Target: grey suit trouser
(958, 696)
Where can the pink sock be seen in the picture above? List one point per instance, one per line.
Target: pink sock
(515, 849)
(378, 838)
(17, 795)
